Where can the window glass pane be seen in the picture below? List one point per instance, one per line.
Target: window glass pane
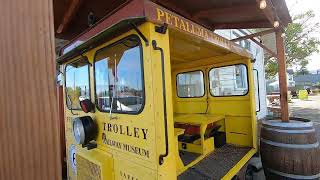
(77, 83)
(190, 84)
(228, 81)
(118, 77)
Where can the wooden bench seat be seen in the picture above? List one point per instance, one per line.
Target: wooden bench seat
(197, 119)
(203, 146)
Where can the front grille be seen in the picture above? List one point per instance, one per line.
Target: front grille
(87, 170)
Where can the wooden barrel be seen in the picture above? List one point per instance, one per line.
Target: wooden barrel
(289, 150)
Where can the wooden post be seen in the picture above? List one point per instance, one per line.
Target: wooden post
(29, 124)
(282, 77)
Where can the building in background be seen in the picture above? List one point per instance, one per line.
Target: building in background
(315, 71)
(295, 82)
(273, 84)
(307, 80)
(258, 68)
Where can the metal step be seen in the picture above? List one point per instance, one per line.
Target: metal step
(217, 164)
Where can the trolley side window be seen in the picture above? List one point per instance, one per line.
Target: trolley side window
(119, 77)
(190, 84)
(77, 83)
(229, 80)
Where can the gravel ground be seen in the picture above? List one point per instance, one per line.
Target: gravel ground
(308, 109)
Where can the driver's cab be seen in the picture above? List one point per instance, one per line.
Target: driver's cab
(147, 100)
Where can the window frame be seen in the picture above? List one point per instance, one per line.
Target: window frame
(204, 84)
(65, 80)
(142, 75)
(258, 88)
(228, 66)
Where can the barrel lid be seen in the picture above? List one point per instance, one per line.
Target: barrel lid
(290, 124)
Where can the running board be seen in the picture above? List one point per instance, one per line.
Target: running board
(223, 163)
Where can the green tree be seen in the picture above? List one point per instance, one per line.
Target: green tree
(74, 95)
(299, 43)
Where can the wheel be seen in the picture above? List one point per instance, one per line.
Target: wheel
(249, 173)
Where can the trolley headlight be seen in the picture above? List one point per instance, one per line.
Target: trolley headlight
(84, 130)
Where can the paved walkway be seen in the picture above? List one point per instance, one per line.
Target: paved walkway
(308, 109)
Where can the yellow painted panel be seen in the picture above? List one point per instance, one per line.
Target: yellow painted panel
(190, 107)
(190, 147)
(232, 107)
(239, 124)
(222, 124)
(239, 139)
(125, 169)
(239, 130)
(208, 145)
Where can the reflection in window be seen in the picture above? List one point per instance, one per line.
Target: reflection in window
(118, 77)
(228, 81)
(190, 84)
(77, 83)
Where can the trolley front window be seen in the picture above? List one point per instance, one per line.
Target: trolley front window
(190, 84)
(77, 83)
(119, 77)
(229, 80)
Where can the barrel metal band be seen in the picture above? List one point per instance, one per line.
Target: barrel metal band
(290, 131)
(290, 125)
(293, 176)
(295, 146)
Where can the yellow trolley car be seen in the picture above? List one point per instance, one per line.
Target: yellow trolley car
(157, 96)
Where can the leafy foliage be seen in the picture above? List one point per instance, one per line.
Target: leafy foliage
(299, 42)
(74, 95)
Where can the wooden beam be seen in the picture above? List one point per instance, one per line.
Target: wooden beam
(69, 14)
(242, 10)
(273, 54)
(261, 33)
(29, 121)
(282, 71)
(242, 25)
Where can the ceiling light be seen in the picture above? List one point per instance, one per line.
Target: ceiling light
(263, 4)
(276, 24)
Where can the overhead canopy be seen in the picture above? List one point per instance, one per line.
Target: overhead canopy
(71, 16)
(113, 31)
(204, 45)
(231, 14)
